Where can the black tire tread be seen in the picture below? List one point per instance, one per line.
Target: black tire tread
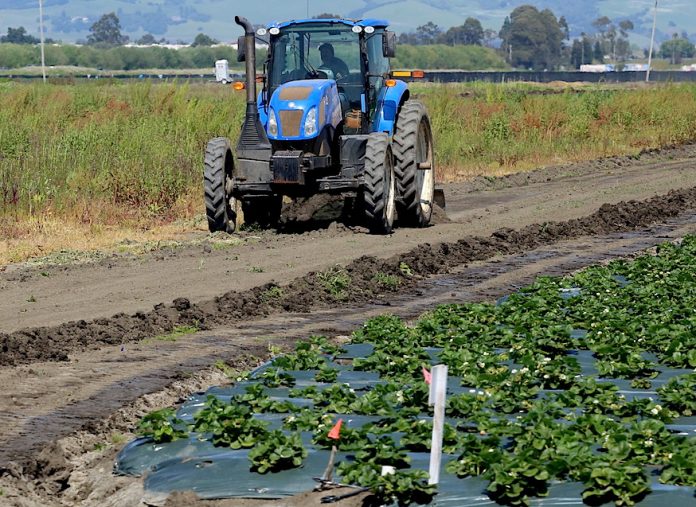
(216, 153)
(405, 164)
(374, 200)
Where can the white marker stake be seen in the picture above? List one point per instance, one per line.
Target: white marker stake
(438, 397)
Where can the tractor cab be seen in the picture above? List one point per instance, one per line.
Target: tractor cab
(352, 54)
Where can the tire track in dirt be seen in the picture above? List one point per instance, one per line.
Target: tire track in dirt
(310, 292)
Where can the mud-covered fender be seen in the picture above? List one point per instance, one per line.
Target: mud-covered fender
(388, 102)
(292, 102)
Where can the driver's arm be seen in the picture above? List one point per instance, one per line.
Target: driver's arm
(341, 69)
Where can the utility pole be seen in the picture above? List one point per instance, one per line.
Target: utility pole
(652, 44)
(307, 9)
(41, 30)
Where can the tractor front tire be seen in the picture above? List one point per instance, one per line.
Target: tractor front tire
(380, 188)
(262, 211)
(218, 180)
(414, 165)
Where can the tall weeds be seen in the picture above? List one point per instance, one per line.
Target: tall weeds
(491, 129)
(108, 154)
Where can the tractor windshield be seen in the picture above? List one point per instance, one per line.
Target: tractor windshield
(316, 50)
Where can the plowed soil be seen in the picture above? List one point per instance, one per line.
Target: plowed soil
(76, 385)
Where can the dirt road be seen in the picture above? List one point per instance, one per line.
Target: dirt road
(89, 395)
(52, 295)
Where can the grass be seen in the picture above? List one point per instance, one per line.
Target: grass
(86, 167)
(272, 294)
(118, 438)
(174, 335)
(387, 280)
(501, 129)
(405, 269)
(336, 281)
(225, 368)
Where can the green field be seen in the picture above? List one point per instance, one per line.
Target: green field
(96, 157)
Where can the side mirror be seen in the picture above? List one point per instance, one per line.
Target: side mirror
(241, 48)
(389, 44)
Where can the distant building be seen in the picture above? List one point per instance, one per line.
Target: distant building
(599, 67)
(636, 67)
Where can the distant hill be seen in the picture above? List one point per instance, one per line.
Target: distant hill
(181, 20)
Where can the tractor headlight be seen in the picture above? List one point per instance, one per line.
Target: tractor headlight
(310, 124)
(272, 123)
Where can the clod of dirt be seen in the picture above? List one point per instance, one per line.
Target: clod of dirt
(315, 212)
(439, 216)
(51, 469)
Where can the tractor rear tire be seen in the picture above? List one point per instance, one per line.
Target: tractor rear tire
(414, 165)
(218, 180)
(262, 211)
(380, 188)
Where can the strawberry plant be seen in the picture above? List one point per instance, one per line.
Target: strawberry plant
(276, 452)
(477, 456)
(418, 437)
(465, 405)
(307, 356)
(624, 483)
(403, 487)
(514, 479)
(161, 426)
(352, 439)
(273, 377)
(254, 396)
(681, 468)
(383, 330)
(382, 451)
(594, 397)
(336, 399)
(646, 440)
(326, 375)
(404, 365)
(382, 399)
(679, 394)
(231, 425)
(307, 420)
(324, 345)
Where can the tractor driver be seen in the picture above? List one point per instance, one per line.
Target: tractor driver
(329, 61)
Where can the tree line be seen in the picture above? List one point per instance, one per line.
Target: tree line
(529, 38)
(537, 39)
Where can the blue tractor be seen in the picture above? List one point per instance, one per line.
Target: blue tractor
(330, 117)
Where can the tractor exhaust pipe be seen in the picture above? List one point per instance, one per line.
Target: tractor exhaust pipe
(250, 58)
(253, 141)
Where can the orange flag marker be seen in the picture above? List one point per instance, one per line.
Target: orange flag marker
(335, 432)
(427, 376)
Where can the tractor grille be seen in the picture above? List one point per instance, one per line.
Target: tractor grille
(290, 122)
(295, 92)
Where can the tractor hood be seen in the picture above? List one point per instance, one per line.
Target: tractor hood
(300, 110)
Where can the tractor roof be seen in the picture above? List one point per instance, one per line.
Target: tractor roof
(377, 23)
